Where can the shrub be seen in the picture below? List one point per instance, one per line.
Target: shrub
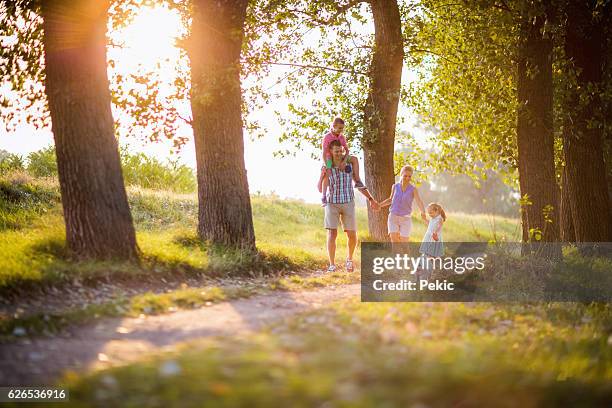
(138, 169)
(148, 172)
(42, 163)
(10, 162)
(21, 201)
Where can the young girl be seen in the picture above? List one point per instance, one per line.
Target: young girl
(399, 221)
(432, 245)
(336, 134)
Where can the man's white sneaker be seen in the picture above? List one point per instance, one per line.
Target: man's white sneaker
(349, 266)
(331, 268)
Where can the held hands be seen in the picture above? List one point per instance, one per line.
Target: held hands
(375, 204)
(424, 217)
(435, 236)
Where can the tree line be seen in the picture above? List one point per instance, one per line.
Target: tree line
(62, 44)
(527, 84)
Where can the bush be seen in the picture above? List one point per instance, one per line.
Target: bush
(10, 162)
(21, 201)
(138, 169)
(148, 172)
(42, 163)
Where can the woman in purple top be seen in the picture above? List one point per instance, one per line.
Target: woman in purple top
(399, 222)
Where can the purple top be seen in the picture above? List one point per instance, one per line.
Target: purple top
(402, 200)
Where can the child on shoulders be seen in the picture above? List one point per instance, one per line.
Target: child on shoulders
(349, 163)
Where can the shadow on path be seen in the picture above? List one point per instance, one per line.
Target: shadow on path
(117, 341)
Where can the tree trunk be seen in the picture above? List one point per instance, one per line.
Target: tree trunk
(568, 234)
(535, 134)
(583, 126)
(96, 211)
(380, 112)
(607, 104)
(225, 215)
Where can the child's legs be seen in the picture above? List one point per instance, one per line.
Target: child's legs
(325, 184)
(429, 267)
(425, 267)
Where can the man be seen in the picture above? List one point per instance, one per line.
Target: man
(341, 206)
(349, 161)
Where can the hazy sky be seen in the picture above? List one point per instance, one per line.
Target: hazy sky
(293, 177)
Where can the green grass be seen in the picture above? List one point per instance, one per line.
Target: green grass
(350, 354)
(22, 200)
(395, 355)
(289, 234)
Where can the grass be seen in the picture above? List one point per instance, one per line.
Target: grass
(576, 277)
(395, 355)
(349, 354)
(22, 200)
(35, 253)
(289, 234)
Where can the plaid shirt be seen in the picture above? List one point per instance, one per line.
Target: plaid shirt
(340, 187)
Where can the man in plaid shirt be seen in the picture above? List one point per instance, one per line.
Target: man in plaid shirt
(341, 207)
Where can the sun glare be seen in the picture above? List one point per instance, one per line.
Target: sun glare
(148, 45)
(150, 38)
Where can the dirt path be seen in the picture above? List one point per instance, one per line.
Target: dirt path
(122, 340)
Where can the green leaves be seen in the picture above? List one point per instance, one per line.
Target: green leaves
(42, 163)
(21, 65)
(10, 162)
(466, 87)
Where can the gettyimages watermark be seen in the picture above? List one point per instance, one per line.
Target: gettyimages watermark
(481, 271)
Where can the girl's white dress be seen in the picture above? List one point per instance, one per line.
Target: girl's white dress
(430, 247)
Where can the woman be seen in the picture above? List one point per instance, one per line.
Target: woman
(399, 222)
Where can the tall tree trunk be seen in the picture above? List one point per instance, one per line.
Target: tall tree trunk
(380, 113)
(584, 123)
(535, 133)
(96, 211)
(607, 103)
(568, 234)
(225, 215)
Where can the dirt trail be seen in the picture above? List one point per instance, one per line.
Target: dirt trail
(122, 340)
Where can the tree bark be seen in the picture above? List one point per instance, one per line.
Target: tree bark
(225, 215)
(607, 103)
(96, 210)
(584, 124)
(380, 112)
(540, 220)
(568, 234)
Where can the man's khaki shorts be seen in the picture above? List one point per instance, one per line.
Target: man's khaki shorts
(341, 212)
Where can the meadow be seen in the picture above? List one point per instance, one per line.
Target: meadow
(290, 240)
(346, 354)
(290, 236)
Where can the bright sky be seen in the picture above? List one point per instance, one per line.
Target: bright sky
(150, 40)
